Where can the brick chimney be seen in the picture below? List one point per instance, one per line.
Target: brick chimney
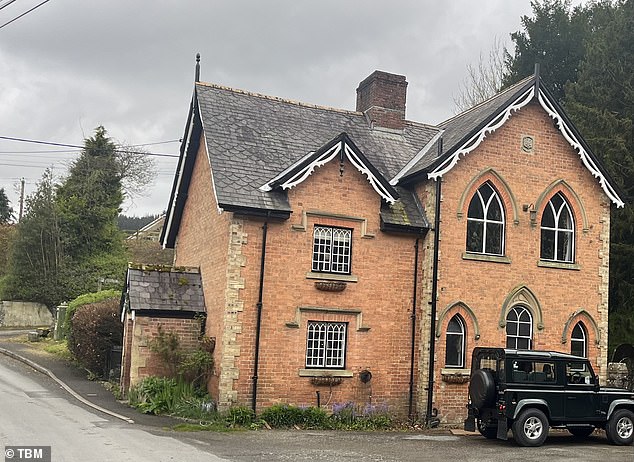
(382, 97)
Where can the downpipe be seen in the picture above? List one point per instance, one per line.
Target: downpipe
(258, 324)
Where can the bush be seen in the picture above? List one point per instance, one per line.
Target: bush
(94, 329)
(163, 395)
(284, 416)
(85, 299)
(240, 415)
(193, 366)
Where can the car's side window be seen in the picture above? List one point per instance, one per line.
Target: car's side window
(533, 371)
(578, 373)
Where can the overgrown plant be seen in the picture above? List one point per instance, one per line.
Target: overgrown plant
(193, 366)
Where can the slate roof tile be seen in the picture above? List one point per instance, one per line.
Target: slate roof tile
(165, 289)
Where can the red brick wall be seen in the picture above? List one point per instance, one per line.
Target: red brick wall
(203, 240)
(383, 265)
(484, 286)
(143, 361)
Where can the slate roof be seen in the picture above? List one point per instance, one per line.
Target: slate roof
(165, 289)
(251, 138)
(458, 128)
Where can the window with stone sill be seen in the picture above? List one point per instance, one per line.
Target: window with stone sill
(332, 250)
(326, 345)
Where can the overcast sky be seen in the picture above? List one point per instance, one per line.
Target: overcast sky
(128, 65)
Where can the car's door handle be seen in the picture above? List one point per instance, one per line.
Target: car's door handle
(572, 397)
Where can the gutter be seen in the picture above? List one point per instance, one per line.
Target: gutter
(256, 361)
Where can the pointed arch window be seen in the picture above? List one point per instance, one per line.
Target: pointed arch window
(455, 343)
(485, 222)
(519, 328)
(579, 340)
(558, 231)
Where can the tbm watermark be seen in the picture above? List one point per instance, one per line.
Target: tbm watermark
(22, 453)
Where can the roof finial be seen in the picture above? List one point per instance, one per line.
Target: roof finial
(197, 67)
(537, 78)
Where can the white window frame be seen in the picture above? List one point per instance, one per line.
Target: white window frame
(518, 310)
(332, 249)
(461, 336)
(326, 345)
(583, 339)
(564, 207)
(484, 220)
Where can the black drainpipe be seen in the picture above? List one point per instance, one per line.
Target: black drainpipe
(432, 421)
(413, 339)
(256, 362)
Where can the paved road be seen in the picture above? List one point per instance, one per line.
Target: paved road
(35, 411)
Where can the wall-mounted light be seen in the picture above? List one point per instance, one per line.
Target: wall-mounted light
(532, 213)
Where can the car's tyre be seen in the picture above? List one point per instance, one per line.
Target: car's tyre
(482, 389)
(530, 428)
(489, 431)
(620, 427)
(581, 431)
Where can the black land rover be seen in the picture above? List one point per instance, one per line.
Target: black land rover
(529, 391)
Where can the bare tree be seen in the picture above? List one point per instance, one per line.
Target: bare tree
(137, 169)
(483, 79)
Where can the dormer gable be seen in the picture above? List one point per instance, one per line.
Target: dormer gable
(339, 149)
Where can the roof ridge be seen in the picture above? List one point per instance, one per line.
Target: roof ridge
(480, 104)
(277, 98)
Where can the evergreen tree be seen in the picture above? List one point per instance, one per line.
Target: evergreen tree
(90, 198)
(6, 212)
(554, 37)
(601, 103)
(36, 256)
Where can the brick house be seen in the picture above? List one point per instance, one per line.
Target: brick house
(359, 256)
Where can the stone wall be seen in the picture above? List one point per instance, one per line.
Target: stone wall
(24, 314)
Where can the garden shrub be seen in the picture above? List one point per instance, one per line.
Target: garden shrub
(85, 299)
(94, 329)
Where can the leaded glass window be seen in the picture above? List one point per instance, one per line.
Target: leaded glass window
(332, 249)
(326, 345)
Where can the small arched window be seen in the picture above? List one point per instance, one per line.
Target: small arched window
(519, 328)
(558, 231)
(455, 351)
(579, 341)
(485, 222)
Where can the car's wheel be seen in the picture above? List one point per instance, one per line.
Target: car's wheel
(620, 427)
(530, 428)
(581, 431)
(489, 431)
(482, 389)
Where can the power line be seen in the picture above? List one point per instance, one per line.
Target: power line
(64, 145)
(5, 4)
(25, 13)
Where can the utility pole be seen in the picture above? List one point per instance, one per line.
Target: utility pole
(21, 200)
